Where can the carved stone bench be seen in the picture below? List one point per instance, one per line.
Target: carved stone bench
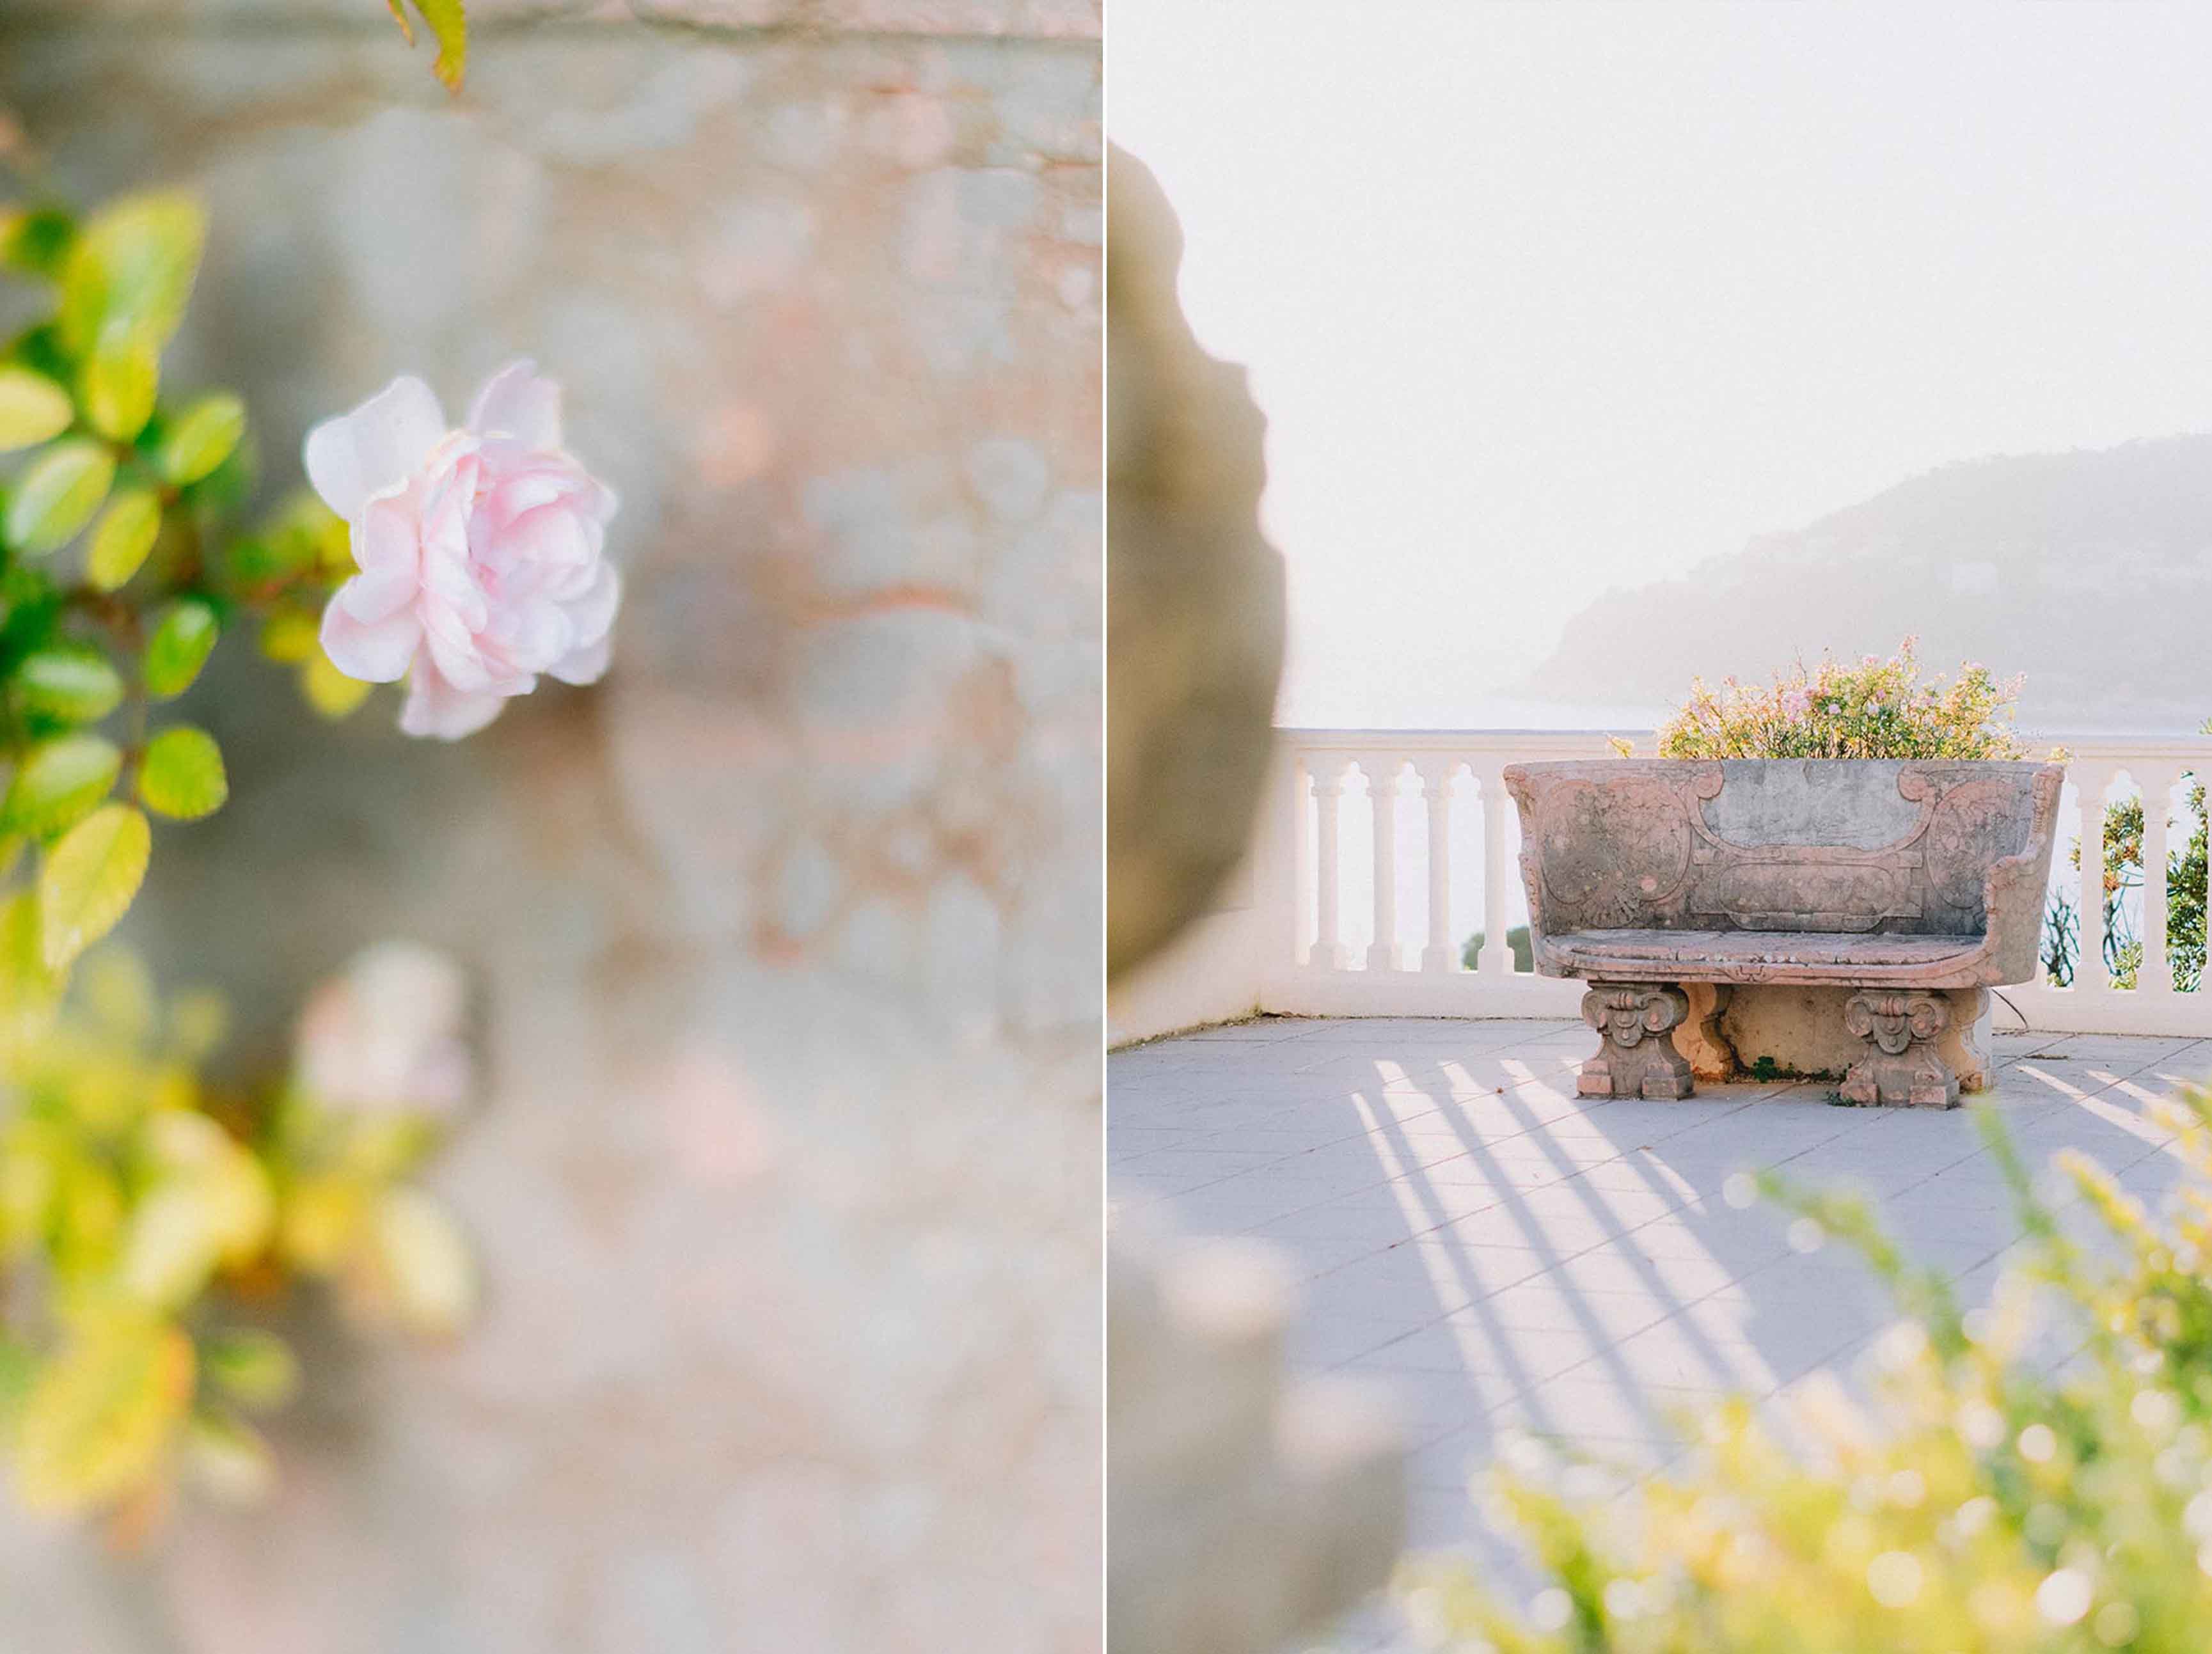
(1907, 887)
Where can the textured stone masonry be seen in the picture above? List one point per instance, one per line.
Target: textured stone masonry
(787, 1191)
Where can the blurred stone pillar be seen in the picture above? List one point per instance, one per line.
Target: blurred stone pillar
(1195, 593)
(1244, 1509)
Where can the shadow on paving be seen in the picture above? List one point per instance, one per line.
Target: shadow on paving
(1507, 1256)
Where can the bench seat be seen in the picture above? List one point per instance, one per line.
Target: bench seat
(1749, 955)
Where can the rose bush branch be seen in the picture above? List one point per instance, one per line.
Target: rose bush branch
(149, 1223)
(469, 562)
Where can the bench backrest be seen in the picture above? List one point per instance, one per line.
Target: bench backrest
(1862, 845)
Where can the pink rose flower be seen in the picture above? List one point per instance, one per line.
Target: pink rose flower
(481, 549)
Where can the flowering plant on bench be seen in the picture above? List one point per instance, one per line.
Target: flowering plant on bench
(1879, 709)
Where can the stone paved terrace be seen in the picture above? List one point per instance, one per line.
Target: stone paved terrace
(1507, 1254)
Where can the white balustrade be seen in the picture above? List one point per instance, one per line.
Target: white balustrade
(2157, 783)
(1382, 772)
(2090, 970)
(1436, 775)
(1329, 952)
(1329, 978)
(1496, 959)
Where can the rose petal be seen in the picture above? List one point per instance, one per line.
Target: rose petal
(357, 456)
(535, 633)
(374, 651)
(585, 663)
(391, 560)
(435, 708)
(594, 611)
(461, 659)
(552, 533)
(518, 402)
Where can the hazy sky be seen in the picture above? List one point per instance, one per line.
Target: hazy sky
(1544, 299)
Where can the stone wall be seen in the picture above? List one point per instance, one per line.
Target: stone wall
(786, 1186)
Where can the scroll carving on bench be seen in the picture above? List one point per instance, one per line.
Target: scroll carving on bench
(1882, 898)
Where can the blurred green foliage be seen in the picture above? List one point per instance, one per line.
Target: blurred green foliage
(1517, 942)
(1988, 1498)
(2124, 873)
(150, 1224)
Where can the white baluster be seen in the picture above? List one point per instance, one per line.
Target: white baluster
(1302, 860)
(2155, 977)
(1496, 958)
(2089, 971)
(1436, 786)
(1383, 796)
(1328, 954)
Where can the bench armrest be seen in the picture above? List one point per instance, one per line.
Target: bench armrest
(2013, 888)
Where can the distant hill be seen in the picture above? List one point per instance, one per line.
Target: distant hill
(2091, 572)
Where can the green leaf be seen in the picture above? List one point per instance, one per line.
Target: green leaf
(173, 1244)
(228, 1459)
(33, 240)
(179, 646)
(118, 385)
(255, 1369)
(449, 27)
(57, 494)
(88, 879)
(29, 994)
(70, 682)
(203, 437)
(328, 690)
(425, 1263)
(33, 408)
(100, 1416)
(113, 984)
(182, 776)
(209, 1199)
(59, 783)
(120, 540)
(130, 275)
(18, 1367)
(290, 637)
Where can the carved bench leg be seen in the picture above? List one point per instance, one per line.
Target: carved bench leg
(1900, 1028)
(1637, 1056)
(1970, 1057)
(1701, 1038)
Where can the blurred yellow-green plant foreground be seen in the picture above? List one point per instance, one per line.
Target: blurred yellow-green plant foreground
(1982, 1503)
(145, 1219)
